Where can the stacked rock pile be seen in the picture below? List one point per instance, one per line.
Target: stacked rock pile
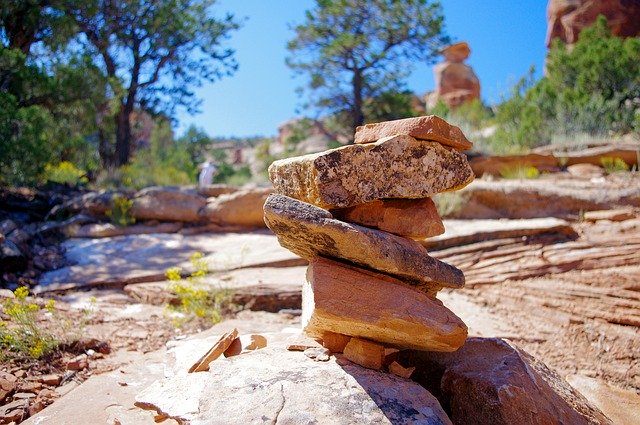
(355, 213)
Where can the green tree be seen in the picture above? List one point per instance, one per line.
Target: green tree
(354, 50)
(593, 88)
(152, 54)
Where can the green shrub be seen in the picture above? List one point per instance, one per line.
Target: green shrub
(120, 211)
(33, 331)
(449, 203)
(520, 172)
(611, 164)
(197, 301)
(64, 172)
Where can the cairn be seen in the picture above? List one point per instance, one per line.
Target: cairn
(357, 213)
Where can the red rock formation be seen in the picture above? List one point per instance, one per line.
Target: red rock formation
(456, 83)
(566, 18)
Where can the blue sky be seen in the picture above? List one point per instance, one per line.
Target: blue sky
(506, 37)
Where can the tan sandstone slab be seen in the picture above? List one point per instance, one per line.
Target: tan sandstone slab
(310, 232)
(430, 127)
(394, 167)
(412, 218)
(351, 301)
(365, 353)
(214, 352)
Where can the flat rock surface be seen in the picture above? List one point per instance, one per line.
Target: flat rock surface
(556, 195)
(310, 231)
(462, 232)
(142, 258)
(395, 167)
(279, 386)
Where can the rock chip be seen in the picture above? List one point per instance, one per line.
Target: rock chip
(365, 353)
(430, 127)
(393, 167)
(216, 351)
(334, 342)
(310, 232)
(412, 218)
(167, 204)
(491, 381)
(350, 301)
(241, 208)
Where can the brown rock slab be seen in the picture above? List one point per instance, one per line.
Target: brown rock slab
(216, 351)
(491, 381)
(430, 127)
(365, 353)
(412, 218)
(309, 232)
(401, 371)
(393, 167)
(334, 342)
(244, 344)
(350, 301)
(496, 165)
(240, 208)
(7, 384)
(167, 204)
(617, 214)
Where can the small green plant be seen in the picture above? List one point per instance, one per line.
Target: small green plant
(611, 164)
(31, 330)
(119, 213)
(520, 172)
(449, 203)
(65, 172)
(196, 301)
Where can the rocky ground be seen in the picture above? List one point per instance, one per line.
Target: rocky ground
(565, 290)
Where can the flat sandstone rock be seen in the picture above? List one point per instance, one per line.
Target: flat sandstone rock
(350, 301)
(430, 127)
(310, 232)
(395, 167)
(412, 218)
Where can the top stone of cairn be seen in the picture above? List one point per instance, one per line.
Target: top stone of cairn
(429, 127)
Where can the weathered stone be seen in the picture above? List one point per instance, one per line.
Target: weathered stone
(14, 412)
(430, 127)
(455, 82)
(245, 343)
(497, 165)
(464, 232)
(167, 204)
(334, 341)
(567, 18)
(585, 171)
(301, 342)
(11, 258)
(364, 353)
(318, 354)
(310, 232)
(393, 167)
(617, 214)
(50, 379)
(243, 208)
(491, 381)
(273, 385)
(105, 230)
(343, 299)
(403, 372)
(621, 406)
(7, 384)
(412, 218)
(213, 190)
(216, 351)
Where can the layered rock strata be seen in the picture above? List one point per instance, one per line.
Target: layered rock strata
(354, 213)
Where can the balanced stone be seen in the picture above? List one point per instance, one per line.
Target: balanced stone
(351, 301)
(309, 232)
(430, 127)
(412, 218)
(393, 167)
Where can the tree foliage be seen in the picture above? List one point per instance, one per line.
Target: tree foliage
(593, 88)
(354, 50)
(152, 55)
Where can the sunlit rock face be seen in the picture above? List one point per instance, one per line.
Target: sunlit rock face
(566, 18)
(456, 83)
